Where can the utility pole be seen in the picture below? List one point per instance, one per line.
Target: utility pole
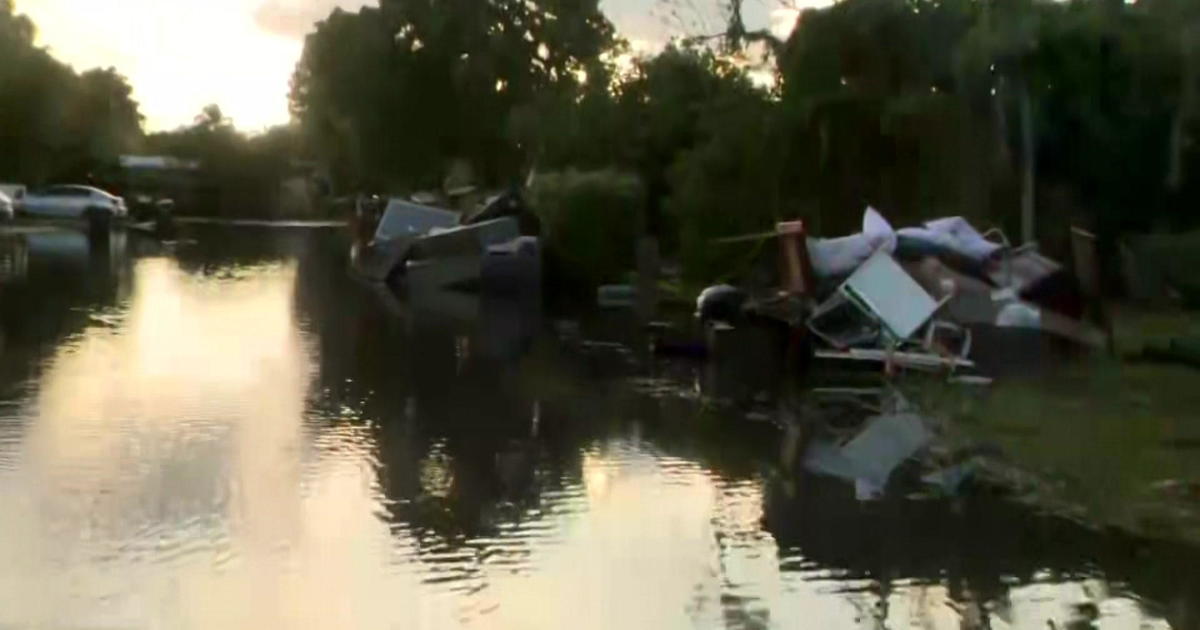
(1028, 165)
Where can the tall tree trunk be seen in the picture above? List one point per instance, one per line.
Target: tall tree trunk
(1187, 98)
(1028, 165)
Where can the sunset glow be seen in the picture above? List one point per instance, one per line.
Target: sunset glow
(179, 56)
(240, 54)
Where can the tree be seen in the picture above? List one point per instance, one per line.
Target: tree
(54, 123)
(728, 182)
(403, 90)
(104, 116)
(919, 107)
(674, 98)
(1180, 21)
(871, 110)
(211, 119)
(239, 174)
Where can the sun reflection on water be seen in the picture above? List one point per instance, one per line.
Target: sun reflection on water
(184, 462)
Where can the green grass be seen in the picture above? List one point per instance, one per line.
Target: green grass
(1111, 436)
(1135, 328)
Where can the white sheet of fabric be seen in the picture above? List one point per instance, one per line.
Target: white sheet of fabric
(1019, 315)
(954, 234)
(836, 257)
(926, 235)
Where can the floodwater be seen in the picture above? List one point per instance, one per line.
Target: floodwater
(231, 433)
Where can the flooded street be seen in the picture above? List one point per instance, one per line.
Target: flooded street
(231, 433)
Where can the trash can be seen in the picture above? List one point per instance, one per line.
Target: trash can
(99, 222)
(164, 219)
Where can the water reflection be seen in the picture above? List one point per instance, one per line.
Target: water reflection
(14, 259)
(235, 435)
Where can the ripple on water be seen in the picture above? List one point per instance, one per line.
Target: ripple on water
(12, 434)
(230, 442)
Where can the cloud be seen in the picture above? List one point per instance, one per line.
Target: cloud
(294, 19)
(783, 21)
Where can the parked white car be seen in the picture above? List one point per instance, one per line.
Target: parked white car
(71, 202)
(7, 207)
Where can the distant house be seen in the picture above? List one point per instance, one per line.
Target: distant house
(296, 188)
(159, 176)
(157, 163)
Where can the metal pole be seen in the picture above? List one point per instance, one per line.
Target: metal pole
(1029, 166)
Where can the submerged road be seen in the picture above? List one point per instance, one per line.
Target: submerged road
(230, 433)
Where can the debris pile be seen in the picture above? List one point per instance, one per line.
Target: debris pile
(495, 250)
(941, 296)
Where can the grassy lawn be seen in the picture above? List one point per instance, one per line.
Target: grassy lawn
(1120, 440)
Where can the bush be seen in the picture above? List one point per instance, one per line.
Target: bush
(727, 186)
(590, 222)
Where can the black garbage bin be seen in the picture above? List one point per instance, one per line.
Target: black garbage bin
(99, 222)
(164, 219)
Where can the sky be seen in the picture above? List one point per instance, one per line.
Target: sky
(181, 55)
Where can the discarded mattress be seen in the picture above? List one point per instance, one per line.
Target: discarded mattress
(405, 218)
(839, 257)
(489, 256)
(466, 240)
(427, 247)
(953, 234)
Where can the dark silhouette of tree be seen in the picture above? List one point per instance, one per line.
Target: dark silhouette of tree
(54, 123)
(239, 174)
(398, 92)
(1076, 111)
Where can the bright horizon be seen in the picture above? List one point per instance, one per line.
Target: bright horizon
(239, 54)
